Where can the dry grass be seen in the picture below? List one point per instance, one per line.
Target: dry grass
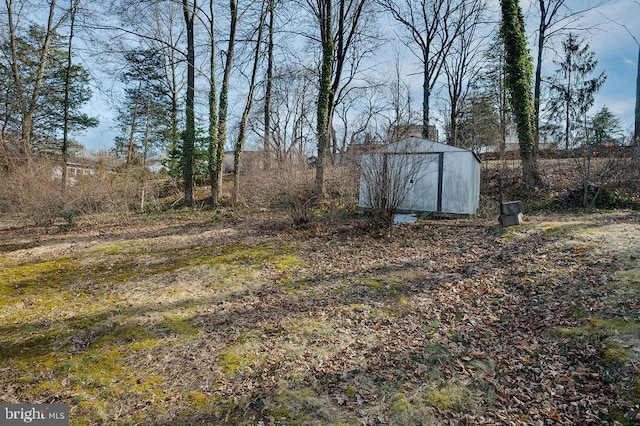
(191, 319)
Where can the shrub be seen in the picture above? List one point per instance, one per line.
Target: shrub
(36, 195)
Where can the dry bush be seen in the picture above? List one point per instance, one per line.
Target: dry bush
(31, 193)
(36, 195)
(289, 187)
(294, 193)
(609, 182)
(285, 186)
(343, 186)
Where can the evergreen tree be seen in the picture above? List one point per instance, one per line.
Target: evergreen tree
(49, 115)
(144, 116)
(572, 91)
(604, 128)
(479, 126)
(491, 87)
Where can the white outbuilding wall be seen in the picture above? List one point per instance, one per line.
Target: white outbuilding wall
(427, 176)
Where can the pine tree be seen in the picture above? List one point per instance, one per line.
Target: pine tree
(144, 117)
(479, 126)
(48, 115)
(572, 91)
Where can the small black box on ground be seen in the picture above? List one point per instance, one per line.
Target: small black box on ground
(511, 213)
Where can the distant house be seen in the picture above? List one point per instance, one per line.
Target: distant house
(74, 171)
(427, 176)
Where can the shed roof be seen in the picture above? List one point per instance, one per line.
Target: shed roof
(420, 145)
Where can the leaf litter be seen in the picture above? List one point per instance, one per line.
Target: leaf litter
(437, 322)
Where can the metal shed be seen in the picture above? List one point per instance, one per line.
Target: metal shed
(422, 176)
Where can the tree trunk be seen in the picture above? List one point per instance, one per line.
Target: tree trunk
(567, 112)
(214, 158)
(324, 95)
(143, 171)
(453, 126)
(224, 104)
(519, 82)
(190, 125)
(175, 132)
(67, 84)
(504, 113)
(240, 142)
(29, 102)
(132, 132)
(426, 94)
(636, 132)
(538, 78)
(267, 92)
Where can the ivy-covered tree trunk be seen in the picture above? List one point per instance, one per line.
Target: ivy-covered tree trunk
(324, 94)
(519, 79)
(223, 111)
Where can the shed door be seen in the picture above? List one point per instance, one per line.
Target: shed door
(421, 173)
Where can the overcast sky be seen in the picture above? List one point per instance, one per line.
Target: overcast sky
(603, 28)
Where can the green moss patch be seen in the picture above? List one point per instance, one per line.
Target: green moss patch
(558, 230)
(448, 396)
(410, 410)
(301, 406)
(383, 286)
(242, 356)
(83, 328)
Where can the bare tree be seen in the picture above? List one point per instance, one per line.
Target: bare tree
(266, 137)
(242, 133)
(189, 12)
(401, 117)
(291, 103)
(168, 30)
(432, 26)
(463, 64)
(601, 132)
(67, 92)
(341, 30)
(556, 18)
